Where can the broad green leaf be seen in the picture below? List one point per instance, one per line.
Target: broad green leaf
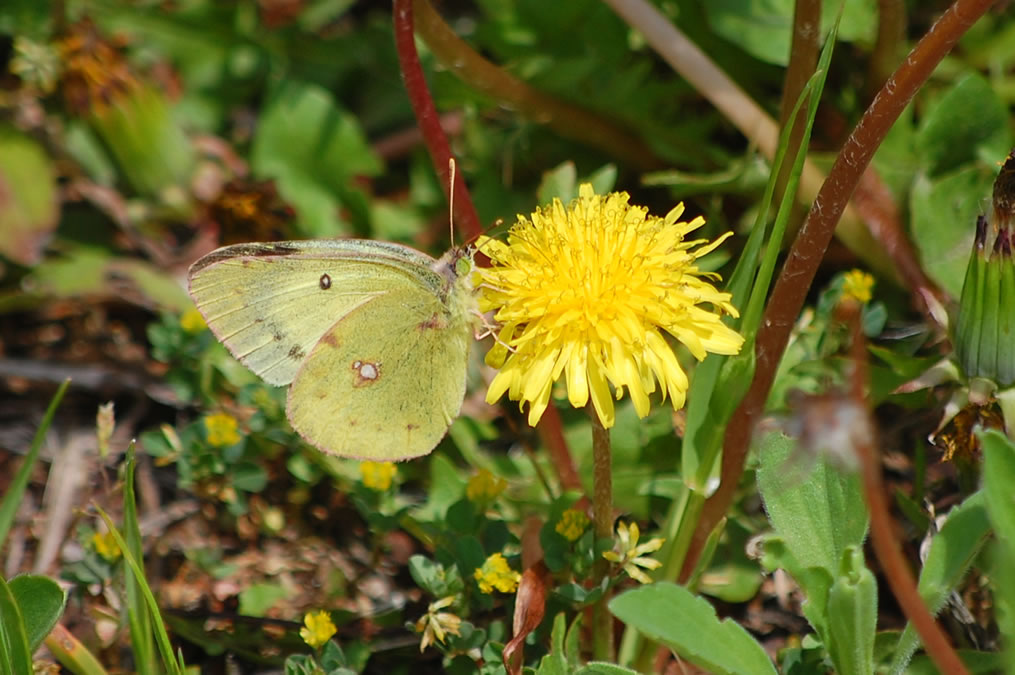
(764, 28)
(313, 148)
(604, 668)
(41, 601)
(257, 599)
(815, 508)
(852, 616)
(29, 208)
(688, 624)
(998, 479)
(944, 221)
(968, 123)
(561, 183)
(15, 654)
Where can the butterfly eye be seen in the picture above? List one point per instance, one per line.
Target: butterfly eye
(325, 282)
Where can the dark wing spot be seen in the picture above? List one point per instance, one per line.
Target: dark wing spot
(411, 427)
(325, 282)
(296, 354)
(330, 340)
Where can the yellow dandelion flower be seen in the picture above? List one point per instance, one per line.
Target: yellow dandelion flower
(589, 292)
(572, 524)
(484, 487)
(317, 628)
(105, 545)
(630, 555)
(857, 284)
(221, 430)
(192, 322)
(435, 624)
(497, 574)
(377, 475)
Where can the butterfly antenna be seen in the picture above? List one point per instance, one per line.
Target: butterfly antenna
(451, 198)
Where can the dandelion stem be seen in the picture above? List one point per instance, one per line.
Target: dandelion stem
(602, 521)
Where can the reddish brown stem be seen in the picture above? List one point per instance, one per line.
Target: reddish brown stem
(551, 432)
(809, 248)
(883, 536)
(428, 120)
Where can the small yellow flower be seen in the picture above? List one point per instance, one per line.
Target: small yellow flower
(105, 545)
(221, 430)
(627, 552)
(857, 284)
(192, 322)
(435, 624)
(589, 292)
(572, 524)
(377, 475)
(484, 487)
(497, 574)
(317, 628)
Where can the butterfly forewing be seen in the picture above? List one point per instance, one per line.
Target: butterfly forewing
(271, 303)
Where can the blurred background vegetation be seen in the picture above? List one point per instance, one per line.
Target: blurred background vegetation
(136, 136)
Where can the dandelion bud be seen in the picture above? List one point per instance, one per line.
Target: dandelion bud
(984, 343)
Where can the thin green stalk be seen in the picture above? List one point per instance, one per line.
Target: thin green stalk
(16, 490)
(602, 523)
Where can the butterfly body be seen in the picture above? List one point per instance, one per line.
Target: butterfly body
(371, 337)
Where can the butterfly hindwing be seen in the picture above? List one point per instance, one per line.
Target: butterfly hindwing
(386, 380)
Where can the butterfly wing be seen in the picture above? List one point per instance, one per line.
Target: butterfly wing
(387, 379)
(269, 304)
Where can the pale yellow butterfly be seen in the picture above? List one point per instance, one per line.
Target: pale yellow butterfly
(372, 337)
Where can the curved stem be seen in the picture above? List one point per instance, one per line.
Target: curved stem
(809, 248)
(883, 536)
(567, 120)
(428, 120)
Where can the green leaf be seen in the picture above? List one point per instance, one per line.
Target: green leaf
(688, 624)
(952, 552)
(998, 479)
(763, 28)
(819, 514)
(561, 183)
(41, 601)
(852, 616)
(16, 490)
(969, 122)
(257, 599)
(29, 209)
(15, 654)
(142, 639)
(314, 149)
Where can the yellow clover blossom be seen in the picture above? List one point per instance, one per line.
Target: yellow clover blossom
(105, 545)
(589, 292)
(435, 624)
(857, 284)
(484, 487)
(497, 574)
(221, 430)
(377, 475)
(317, 628)
(628, 553)
(192, 322)
(572, 524)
